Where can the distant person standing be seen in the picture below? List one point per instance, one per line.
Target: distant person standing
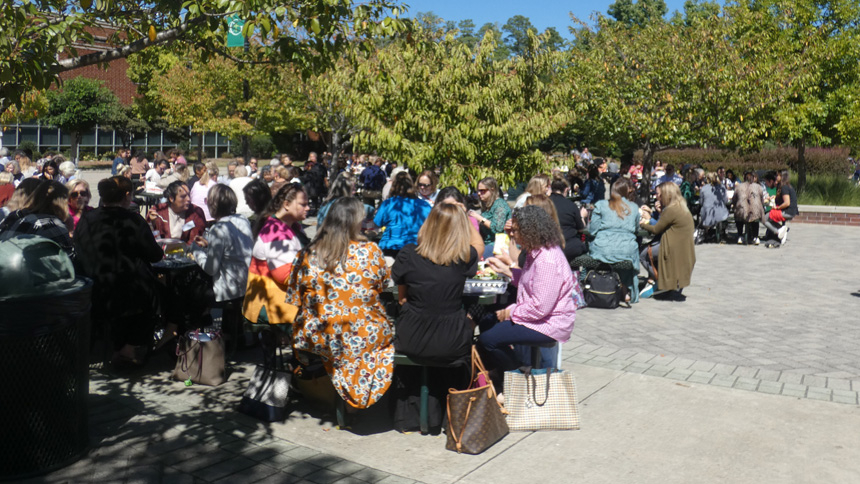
(120, 159)
(373, 180)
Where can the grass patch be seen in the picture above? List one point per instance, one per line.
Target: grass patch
(829, 190)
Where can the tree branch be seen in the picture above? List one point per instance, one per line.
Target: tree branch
(121, 52)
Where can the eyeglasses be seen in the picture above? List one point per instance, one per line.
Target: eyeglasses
(84, 193)
(423, 185)
(483, 190)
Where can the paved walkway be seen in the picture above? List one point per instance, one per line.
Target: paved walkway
(778, 321)
(669, 392)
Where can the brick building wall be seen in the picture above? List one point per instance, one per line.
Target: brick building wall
(114, 76)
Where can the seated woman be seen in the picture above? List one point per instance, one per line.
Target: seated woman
(44, 213)
(178, 218)
(538, 185)
(115, 248)
(785, 208)
(225, 254)
(427, 182)
(713, 203)
(79, 200)
(544, 312)
(614, 225)
(494, 213)
(257, 196)
(343, 186)
(569, 217)
(401, 215)
(433, 325)
(748, 203)
(593, 190)
(670, 261)
(279, 237)
(336, 281)
(454, 196)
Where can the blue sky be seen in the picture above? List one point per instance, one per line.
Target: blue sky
(542, 13)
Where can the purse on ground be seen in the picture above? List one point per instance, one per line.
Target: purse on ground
(475, 418)
(200, 358)
(603, 289)
(541, 400)
(267, 394)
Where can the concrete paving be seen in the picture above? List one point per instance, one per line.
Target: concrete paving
(754, 378)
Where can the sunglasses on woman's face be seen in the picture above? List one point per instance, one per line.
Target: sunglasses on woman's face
(483, 190)
(423, 185)
(84, 193)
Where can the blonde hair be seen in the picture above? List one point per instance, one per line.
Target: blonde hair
(444, 237)
(670, 195)
(5, 178)
(544, 202)
(712, 178)
(493, 186)
(211, 170)
(538, 184)
(71, 185)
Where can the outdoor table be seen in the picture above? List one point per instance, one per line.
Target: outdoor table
(187, 293)
(149, 199)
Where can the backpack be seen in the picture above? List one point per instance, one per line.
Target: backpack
(603, 288)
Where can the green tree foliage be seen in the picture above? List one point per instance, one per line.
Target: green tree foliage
(440, 104)
(640, 13)
(518, 28)
(466, 33)
(823, 106)
(40, 36)
(661, 85)
(501, 51)
(79, 105)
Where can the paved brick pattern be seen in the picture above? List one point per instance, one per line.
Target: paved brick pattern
(151, 430)
(781, 321)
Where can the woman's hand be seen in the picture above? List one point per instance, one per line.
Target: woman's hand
(500, 267)
(505, 258)
(200, 241)
(503, 314)
(477, 216)
(508, 225)
(152, 214)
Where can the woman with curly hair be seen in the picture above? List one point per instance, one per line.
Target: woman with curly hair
(544, 311)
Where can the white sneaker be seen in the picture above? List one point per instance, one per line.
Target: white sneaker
(757, 241)
(782, 233)
(740, 241)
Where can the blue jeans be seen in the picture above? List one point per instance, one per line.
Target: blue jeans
(496, 340)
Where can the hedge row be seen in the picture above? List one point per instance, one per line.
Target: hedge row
(818, 160)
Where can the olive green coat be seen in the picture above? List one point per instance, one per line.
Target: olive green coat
(677, 254)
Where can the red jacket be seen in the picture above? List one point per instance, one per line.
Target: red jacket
(194, 214)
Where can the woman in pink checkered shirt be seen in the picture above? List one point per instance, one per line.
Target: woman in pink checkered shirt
(544, 311)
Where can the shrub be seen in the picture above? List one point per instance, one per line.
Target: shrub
(262, 146)
(829, 190)
(818, 160)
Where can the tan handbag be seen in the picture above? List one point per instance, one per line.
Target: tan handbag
(200, 359)
(475, 418)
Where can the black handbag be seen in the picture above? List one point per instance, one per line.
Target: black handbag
(603, 288)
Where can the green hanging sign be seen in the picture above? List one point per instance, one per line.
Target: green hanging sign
(234, 31)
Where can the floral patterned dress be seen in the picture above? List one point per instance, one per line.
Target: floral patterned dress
(343, 321)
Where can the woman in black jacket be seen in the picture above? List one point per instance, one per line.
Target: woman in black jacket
(115, 248)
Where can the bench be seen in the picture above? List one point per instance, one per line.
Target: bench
(629, 274)
(423, 415)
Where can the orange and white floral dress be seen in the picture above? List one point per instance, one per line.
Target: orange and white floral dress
(343, 321)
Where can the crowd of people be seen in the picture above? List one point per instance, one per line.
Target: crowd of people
(246, 231)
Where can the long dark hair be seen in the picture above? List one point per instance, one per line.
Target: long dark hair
(342, 225)
(286, 194)
(620, 191)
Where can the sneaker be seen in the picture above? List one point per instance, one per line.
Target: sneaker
(757, 241)
(783, 234)
(647, 292)
(740, 241)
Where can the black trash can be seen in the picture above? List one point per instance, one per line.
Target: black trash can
(44, 348)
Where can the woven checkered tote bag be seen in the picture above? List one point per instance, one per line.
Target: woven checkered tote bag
(541, 400)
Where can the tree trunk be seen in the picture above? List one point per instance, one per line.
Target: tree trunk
(645, 187)
(335, 156)
(200, 147)
(76, 140)
(801, 165)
